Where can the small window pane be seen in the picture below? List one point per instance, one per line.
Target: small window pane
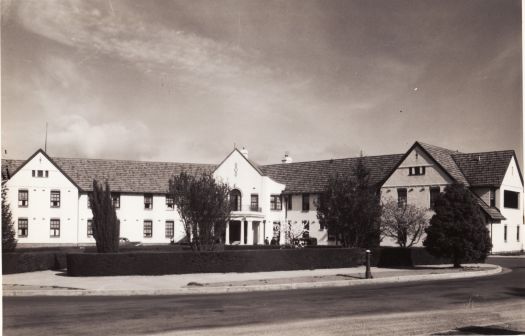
(306, 202)
(170, 226)
(55, 228)
(23, 227)
(148, 229)
(55, 198)
(170, 204)
(148, 201)
(401, 197)
(23, 198)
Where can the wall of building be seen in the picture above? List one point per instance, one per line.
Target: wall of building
(132, 215)
(239, 174)
(296, 215)
(39, 211)
(418, 186)
(514, 217)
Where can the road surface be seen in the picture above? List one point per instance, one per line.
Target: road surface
(402, 308)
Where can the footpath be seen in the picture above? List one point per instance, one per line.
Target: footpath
(58, 283)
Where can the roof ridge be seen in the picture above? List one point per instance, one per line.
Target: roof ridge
(439, 147)
(137, 161)
(323, 160)
(487, 152)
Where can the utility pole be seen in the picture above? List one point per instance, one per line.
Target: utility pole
(45, 142)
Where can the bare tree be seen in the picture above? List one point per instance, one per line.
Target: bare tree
(203, 206)
(293, 231)
(404, 223)
(106, 226)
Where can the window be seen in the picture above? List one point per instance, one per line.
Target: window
(33, 173)
(254, 202)
(306, 202)
(416, 171)
(89, 195)
(289, 202)
(505, 233)
(170, 203)
(23, 227)
(492, 197)
(148, 201)
(235, 200)
(275, 202)
(54, 227)
(518, 233)
(115, 198)
(90, 228)
(511, 199)
(170, 226)
(55, 198)
(47, 173)
(23, 198)
(401, 197)
(40, 173)
(434, 193)
(148, 229)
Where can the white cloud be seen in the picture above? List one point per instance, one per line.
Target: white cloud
(75, 134)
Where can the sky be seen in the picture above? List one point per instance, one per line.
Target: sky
(186, 81)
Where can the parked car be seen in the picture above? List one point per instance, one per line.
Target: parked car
(123, 241)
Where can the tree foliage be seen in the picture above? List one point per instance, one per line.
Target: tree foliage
(204, 208)
(8, 231)
(106, 226)
(404, 224)
(350, 208)
(458, 229)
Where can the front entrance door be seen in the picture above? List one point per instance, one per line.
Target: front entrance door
(235, 231)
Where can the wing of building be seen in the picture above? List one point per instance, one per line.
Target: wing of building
(49, 196)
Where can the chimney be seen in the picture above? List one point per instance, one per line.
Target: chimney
(244, 152)
(287, 158)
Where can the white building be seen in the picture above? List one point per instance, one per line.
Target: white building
(48, 196)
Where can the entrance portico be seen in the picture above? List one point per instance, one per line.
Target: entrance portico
(245, 230)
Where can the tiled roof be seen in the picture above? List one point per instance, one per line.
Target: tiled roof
(484, 169)
(444, 158)
(312, 176)
(122, 175)
(492, 212)
(9, 167)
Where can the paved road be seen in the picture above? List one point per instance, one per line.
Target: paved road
(352, 310)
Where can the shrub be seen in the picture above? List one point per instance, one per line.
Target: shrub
(8, 231)
(106, 226)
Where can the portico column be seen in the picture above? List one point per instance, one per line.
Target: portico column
(250, 233)
(227, 238)
(242, 232)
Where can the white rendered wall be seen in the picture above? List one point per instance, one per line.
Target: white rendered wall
(132, 216)
(239, 174)
(514, 217)
(296, 214)
(39, 211)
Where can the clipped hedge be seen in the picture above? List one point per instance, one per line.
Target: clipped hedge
(17, 262)
(159, 263)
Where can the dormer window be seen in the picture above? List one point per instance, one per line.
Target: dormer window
(414, 171)
(148, 201)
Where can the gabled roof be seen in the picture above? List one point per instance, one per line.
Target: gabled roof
(122, 175)
(485, 169)
(313, 176)
(444, 158)
(253, 164)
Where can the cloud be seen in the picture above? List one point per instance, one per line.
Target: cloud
(75, 135)
(95, 27)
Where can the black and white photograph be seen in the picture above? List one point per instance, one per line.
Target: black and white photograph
(262, 167)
